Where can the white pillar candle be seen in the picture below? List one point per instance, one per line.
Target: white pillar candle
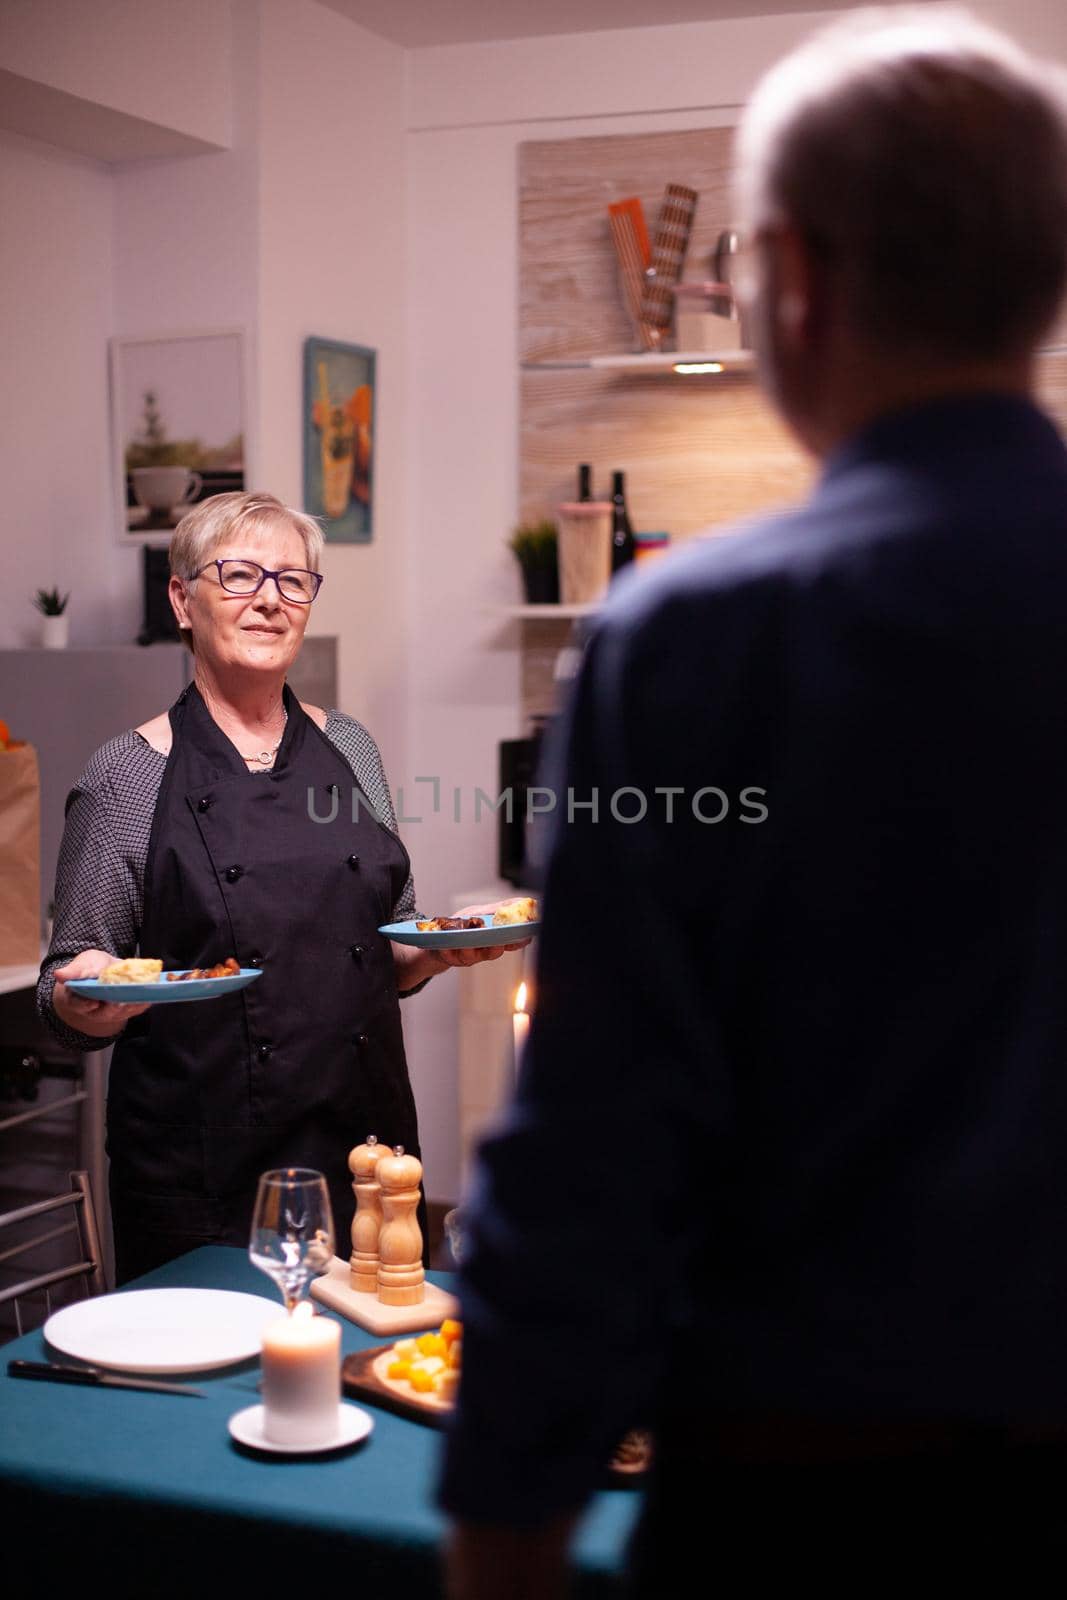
(520, 1024)
(301, 1377)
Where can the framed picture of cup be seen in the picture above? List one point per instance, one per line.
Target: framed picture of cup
(339, 439)
(178, 424)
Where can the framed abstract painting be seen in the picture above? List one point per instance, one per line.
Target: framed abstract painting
(339, 439)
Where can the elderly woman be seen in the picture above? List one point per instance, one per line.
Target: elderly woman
(193, 838)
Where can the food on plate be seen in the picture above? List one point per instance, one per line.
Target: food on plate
(516, 911)
(430, 1363)
(633, 1453)
(225, 969)
(140, 969)
(513, 911)
(135, 969)
(449, 924)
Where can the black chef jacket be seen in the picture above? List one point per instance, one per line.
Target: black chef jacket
(305, 1062)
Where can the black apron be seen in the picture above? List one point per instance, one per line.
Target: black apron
(300, 1066)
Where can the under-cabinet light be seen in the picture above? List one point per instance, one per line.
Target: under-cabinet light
(698, 366)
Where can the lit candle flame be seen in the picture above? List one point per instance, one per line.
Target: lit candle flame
(520, 997)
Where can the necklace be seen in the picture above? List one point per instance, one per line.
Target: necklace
(265, 758)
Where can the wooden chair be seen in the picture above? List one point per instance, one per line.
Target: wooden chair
(82, 1224)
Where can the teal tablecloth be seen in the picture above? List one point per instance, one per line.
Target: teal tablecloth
(148, 1493)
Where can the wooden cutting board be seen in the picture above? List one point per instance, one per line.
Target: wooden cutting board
(363, 1374)
(333, 1289)
(363, 1378)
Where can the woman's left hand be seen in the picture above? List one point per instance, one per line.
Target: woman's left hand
(471, 958)
(415, 966)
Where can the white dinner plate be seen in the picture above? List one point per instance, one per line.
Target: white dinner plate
(163, 1330)
(353, 1424)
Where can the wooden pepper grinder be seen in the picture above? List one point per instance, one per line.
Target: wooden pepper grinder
(367, 1222)
(401, 1279)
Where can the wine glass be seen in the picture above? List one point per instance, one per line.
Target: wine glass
(292, 1229)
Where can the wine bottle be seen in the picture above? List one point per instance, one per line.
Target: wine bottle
(622, 535)
(585, 481)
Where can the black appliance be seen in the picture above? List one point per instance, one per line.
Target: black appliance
(518, 768)
(159, 620)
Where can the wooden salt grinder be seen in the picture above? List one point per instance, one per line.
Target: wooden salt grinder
(367, 1222)
(401, 1279)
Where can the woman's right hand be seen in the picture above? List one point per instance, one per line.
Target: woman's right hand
(100, 1019)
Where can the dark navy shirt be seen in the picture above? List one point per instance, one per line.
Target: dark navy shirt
(791, 1132)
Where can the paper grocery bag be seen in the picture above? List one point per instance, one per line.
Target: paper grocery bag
(20, 858)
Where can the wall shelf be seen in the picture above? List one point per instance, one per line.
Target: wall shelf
(550, 613)
(665, 361)
(654, 361)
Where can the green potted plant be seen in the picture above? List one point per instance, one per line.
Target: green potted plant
(53, 608)
(535, 546)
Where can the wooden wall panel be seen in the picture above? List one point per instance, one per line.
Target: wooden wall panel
(541, 644)
(570, 297)
(698, 452)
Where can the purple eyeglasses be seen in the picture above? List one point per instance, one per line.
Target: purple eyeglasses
(247, 577)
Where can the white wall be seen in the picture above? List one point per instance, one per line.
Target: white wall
(90, 250)
(186, 229)
(158, 61)
(55, 316)
(332, 242)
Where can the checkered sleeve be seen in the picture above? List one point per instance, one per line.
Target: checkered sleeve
(363, 756)
(99, 890)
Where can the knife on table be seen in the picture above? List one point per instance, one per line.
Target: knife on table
(93, 1375)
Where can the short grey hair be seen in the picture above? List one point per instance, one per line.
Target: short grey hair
(225, 516)
(923, 156)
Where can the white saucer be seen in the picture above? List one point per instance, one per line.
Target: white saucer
(353, 1424)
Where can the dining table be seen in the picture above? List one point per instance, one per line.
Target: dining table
(148, 1494)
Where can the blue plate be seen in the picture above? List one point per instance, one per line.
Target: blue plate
(162, 993)
(460, 938)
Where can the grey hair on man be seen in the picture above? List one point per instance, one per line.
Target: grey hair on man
(922, 157)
